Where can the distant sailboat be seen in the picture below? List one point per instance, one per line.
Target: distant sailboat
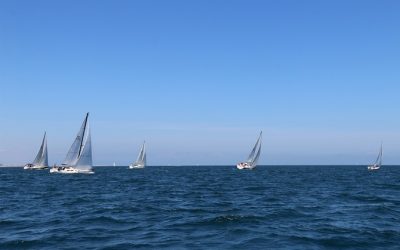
(79, 156)
(252, 160)
(114, 164)
(141, 160)
(41, 160)
(378, 163)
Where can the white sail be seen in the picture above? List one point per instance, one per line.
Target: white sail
(44, 161)
(74, 150)
(80, 152)
(378, 162)
(254, 155)
(380, 159)
(144, 158)
(253, 152)
(141, 159)
(255, 160)
(79, 156)
(84, 160)
(41, 157)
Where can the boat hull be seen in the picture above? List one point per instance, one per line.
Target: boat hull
(373, 167)
(243, 166)
(134, 166)
(69, 170)
(34, 167)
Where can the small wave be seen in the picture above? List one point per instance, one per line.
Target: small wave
(102, 220)
(7, 223)
(22, 244)
(234, 219)
(372, 199)
(127, 246)
(222, 220)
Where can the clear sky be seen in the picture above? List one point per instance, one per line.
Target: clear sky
(198, 80)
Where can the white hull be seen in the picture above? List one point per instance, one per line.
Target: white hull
(244, 166)
(374, 167)
(34, 167)
(70, 170)
(133, 166)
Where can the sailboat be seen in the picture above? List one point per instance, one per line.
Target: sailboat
(252, 160)
(378, 163)
(41, 160)
(79, 156)
(141, 159)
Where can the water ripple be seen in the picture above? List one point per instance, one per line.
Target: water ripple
(274, 207)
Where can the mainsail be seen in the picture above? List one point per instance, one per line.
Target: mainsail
(378, 161)
(255, 153)
(80, 152)
(41, 157)
(141, 160)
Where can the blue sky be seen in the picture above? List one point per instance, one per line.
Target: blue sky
(198, 80)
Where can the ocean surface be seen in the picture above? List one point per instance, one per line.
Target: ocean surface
(205, 207)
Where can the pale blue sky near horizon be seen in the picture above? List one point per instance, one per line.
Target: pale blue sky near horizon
(198, 80)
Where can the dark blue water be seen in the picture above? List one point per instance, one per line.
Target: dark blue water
(279, 207)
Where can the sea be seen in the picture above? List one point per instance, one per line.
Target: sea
(202, 207)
